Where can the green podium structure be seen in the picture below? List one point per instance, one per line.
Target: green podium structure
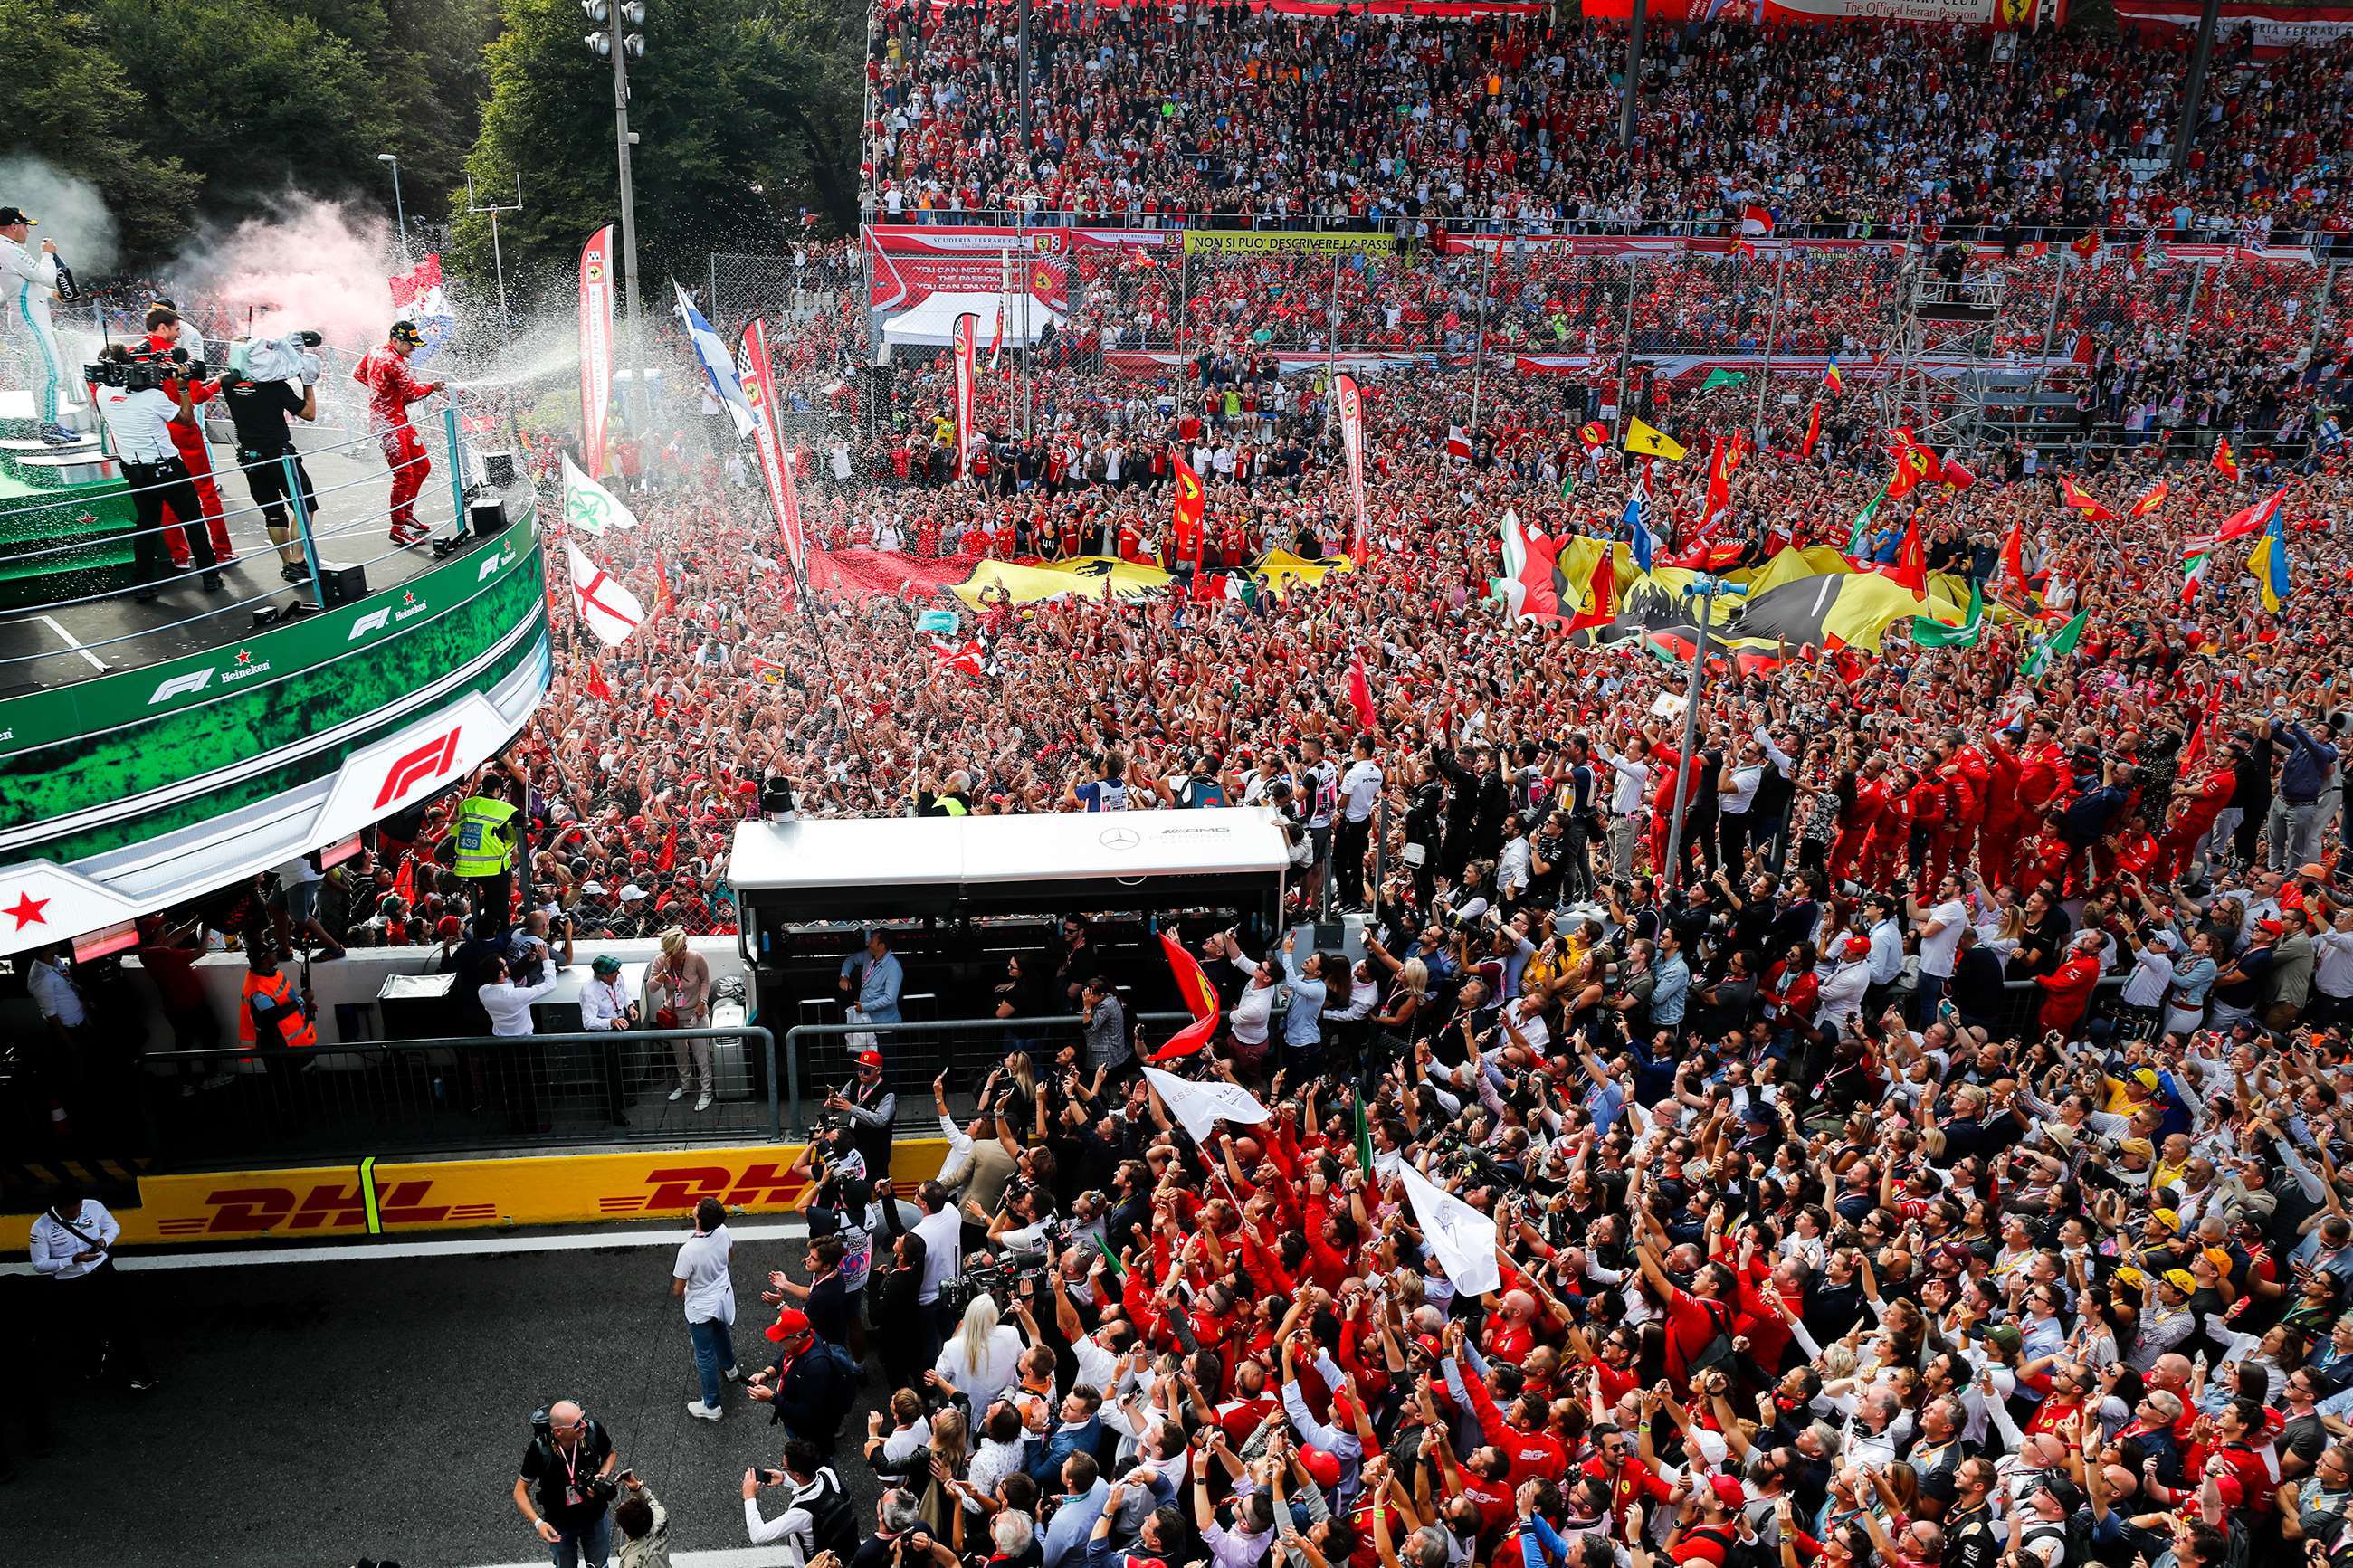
(66, 516)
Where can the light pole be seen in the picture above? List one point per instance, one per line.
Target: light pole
(498, 260)
(630, 46)
(399, 213)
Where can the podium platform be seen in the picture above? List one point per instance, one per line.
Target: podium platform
(58, 496)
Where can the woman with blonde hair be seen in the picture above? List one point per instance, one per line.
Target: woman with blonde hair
(983, 1357)
(678, 996)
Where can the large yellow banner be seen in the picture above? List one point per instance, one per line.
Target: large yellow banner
(1250, 241)
(462, 1194)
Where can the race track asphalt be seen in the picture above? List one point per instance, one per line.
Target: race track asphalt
(312, 1414)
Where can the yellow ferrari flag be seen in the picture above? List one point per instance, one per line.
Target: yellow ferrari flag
(1645, 442)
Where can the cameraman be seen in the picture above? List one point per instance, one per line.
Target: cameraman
(140, 424)
(571, 1457)
(258, 409)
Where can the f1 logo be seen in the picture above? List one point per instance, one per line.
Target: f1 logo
(182, 685)
(429, 761)
(490, 564)
(374, 621)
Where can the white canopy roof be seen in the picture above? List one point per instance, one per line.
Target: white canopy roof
(932, 323)
(942, 852)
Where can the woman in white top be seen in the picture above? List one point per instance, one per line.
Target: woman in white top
(983, 1357)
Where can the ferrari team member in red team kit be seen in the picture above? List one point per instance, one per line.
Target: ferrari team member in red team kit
(163, 335)
(390, 389)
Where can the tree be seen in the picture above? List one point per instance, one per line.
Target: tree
(744, 113)
(71, 104)
(257, 101)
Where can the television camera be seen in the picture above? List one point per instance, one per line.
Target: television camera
(144, 370)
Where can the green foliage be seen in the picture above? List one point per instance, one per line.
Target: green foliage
(745, 110)
(70, 103)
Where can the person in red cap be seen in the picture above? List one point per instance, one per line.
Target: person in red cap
(391, 388)
(812, 1386)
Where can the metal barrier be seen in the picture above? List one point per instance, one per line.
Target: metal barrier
(916, 1054)
(494, 1093)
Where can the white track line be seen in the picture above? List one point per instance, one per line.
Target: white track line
(70, 641)
(480, 1246)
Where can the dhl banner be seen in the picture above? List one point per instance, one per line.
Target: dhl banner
(379, 1197)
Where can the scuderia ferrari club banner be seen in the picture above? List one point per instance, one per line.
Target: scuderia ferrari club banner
(910, 265)
(1352, 441)
(965, 328)
(596, 347)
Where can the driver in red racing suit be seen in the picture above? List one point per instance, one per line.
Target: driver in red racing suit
(390, 389)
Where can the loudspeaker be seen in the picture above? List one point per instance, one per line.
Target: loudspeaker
(342, 584)
(486, 518)
(499, 468)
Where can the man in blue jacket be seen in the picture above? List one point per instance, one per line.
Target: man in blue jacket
(1079, 1430)
(2292, 830)
(812, 1386)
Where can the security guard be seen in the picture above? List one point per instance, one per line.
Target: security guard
(271, 1014)
(486, 831)
(956, 800)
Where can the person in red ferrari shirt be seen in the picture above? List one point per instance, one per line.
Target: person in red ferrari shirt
(385, 373)
(1533, 1452)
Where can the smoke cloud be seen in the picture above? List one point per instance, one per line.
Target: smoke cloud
(312, 264)
(70, 211)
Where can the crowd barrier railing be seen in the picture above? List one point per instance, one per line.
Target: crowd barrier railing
(489, 1094)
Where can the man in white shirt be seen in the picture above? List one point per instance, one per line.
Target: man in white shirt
(507, 1002)
(606, 1001)
(942, 1228)
(1633, 776)
(1940, 936)
(700, 1281)
(72, 1243)
(1360, 791)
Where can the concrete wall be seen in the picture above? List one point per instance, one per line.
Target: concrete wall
(346, 988)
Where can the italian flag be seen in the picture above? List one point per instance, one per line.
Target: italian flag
(2193, 577)
(2051, 649)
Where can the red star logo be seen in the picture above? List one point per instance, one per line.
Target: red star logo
(408, 598)
(244, 656)
(87, 517)
(28, 910)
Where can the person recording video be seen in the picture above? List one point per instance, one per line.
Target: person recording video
(28, 278)
(168, 334)
(258, 405)
(139, 423)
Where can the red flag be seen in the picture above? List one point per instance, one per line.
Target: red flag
(2238, 525)
(2150, 500)
(1184, 517)
(2013, 558)
(1360, 696)
(662, 601)
(1913, 463)
(2076, 500)
(668, 855)
(1600, 605)
(1956, 474)
(1813, 431)
(404, 882)
(2224, 464)
(2087, 244)
(966, 660)
(1911, 568)
(597, 687)
(1722, 460)
(1594, 434)
(2201, 737)
(1200, 1000)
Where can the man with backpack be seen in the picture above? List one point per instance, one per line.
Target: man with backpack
(812, 1384)
(820, 1516)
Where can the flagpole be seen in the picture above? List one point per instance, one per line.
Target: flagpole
(1772, 329)
(1674, 869)
(1478, 348)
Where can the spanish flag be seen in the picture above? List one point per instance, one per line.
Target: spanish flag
(2224, 464)
(1645, 442)
(1832, 379)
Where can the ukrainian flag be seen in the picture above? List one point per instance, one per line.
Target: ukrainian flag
(2269, 563)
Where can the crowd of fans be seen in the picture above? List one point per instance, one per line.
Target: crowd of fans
(1911, 1113)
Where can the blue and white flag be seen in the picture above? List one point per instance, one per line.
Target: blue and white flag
(1638, 520)
(718, 365)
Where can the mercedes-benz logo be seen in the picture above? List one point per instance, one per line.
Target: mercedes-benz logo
(1119, 838)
